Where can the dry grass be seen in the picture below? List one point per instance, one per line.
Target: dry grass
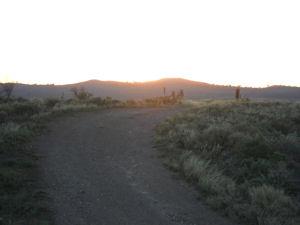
(243, 156)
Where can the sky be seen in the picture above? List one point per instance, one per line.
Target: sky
(237, 42)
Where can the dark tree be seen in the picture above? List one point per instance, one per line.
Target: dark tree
(238, 93)
(164, 90)
(181, 93)
(7, 89)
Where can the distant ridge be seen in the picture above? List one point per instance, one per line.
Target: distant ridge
(140, 90)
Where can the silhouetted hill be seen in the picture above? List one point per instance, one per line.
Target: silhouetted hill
(140, 90)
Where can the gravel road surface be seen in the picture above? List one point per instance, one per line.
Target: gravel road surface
(101, 168)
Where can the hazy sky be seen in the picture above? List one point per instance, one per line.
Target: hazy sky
(253, 42)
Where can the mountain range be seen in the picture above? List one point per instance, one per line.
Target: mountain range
(141, 90)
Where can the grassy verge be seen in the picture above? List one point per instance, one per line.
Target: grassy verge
(22, 199)
(243, 157)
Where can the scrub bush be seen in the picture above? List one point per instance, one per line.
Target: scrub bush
(238, 153)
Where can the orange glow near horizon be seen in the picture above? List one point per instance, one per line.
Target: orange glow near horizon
(72, 79)
(232, 42)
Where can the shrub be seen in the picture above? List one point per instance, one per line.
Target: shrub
(271, 206)
(12, 135)
(209, 178)
(97, 101)
(131, 103)
(21, 110)
(51, 102)
(236, 151)
(7, 89)
(80, 93)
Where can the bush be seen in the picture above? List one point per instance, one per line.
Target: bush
(271, 206)
(51, 102)
(97, 101)
(12, 135)
(81, 94)
(230, 149)
(20, 111)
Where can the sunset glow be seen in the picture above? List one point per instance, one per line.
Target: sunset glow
(249, 43)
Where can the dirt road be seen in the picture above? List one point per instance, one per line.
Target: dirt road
(101, 169)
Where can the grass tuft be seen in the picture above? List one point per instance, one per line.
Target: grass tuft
(243, 156)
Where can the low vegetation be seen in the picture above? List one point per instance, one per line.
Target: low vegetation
(154, 102)
(22, 200)
(244, 157)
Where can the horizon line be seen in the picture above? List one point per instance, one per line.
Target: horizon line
(154, 80)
